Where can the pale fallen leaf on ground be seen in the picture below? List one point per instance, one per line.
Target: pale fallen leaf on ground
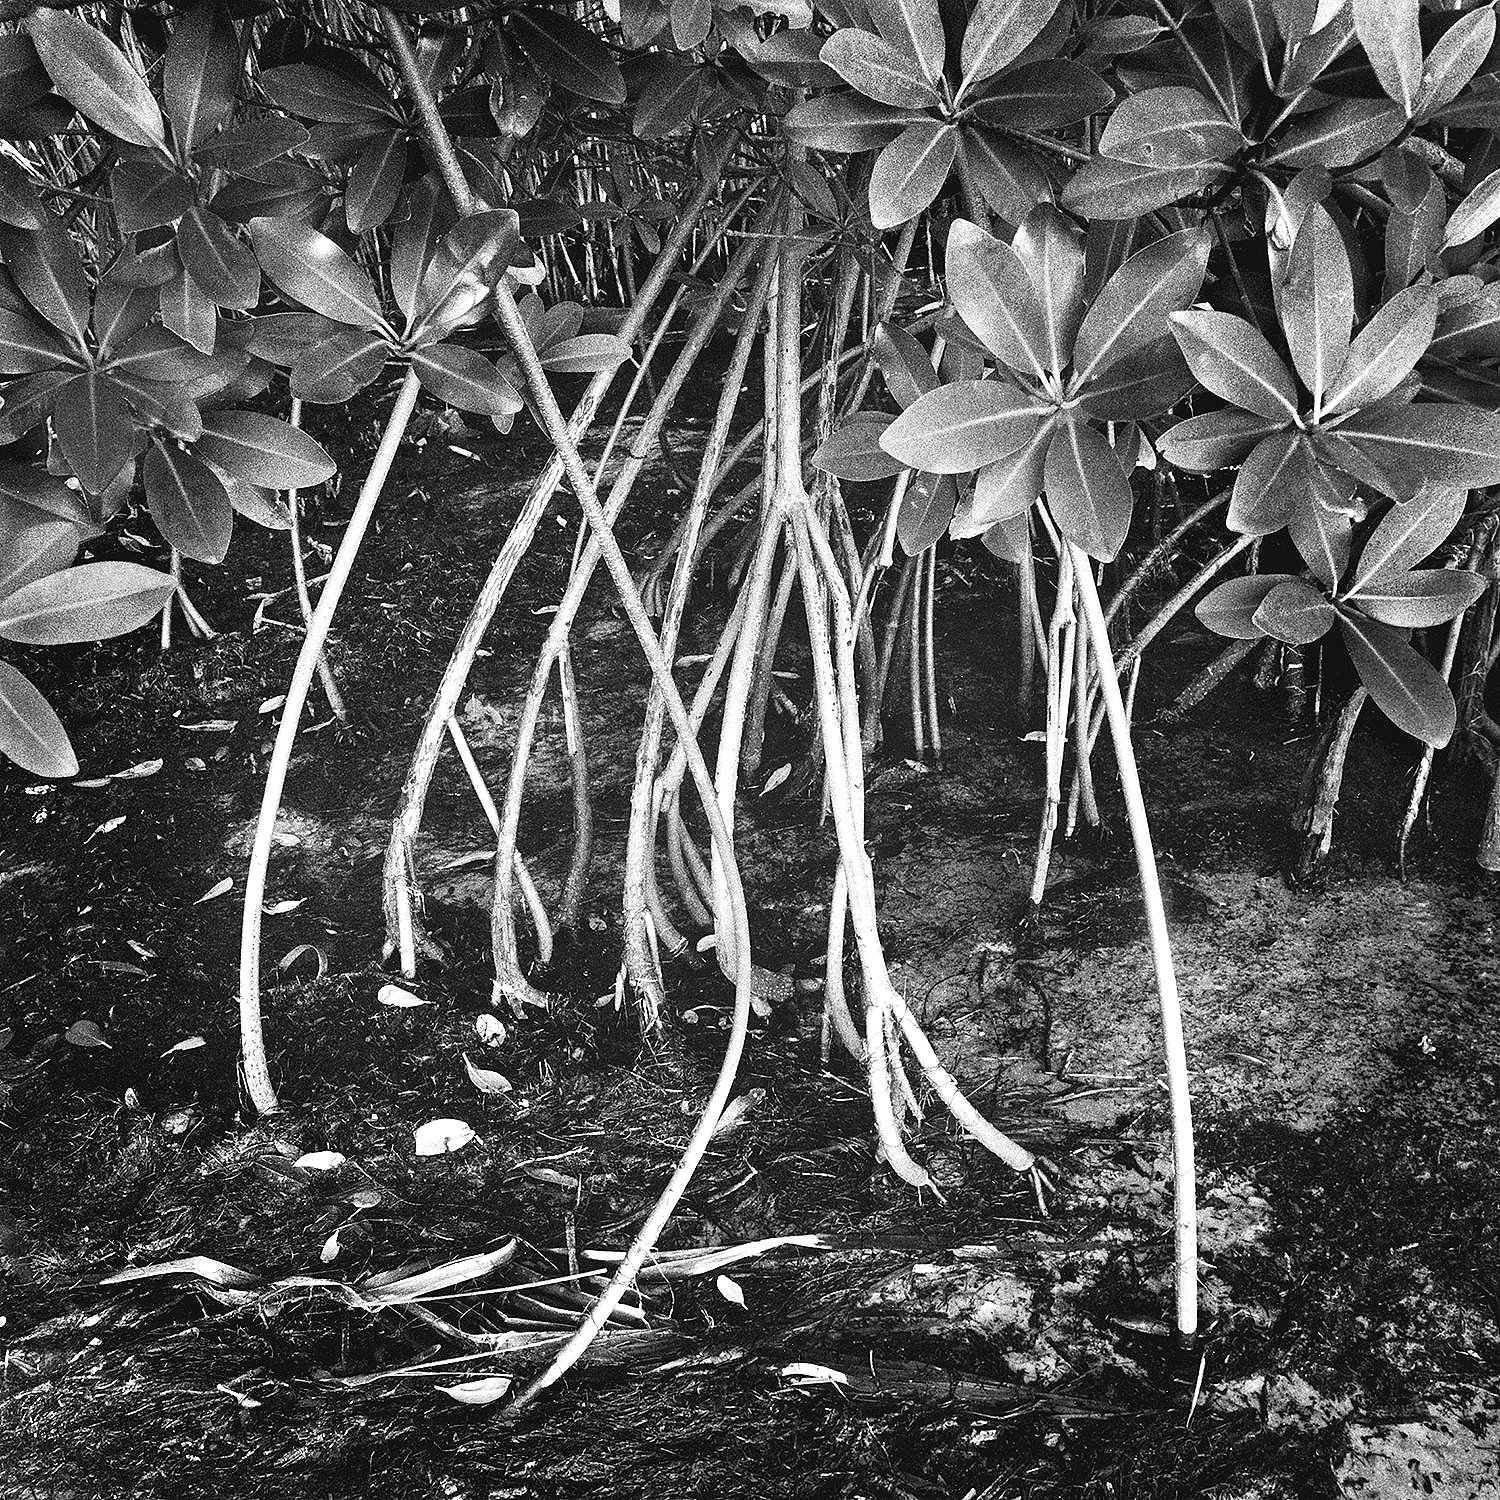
(439, 1136)
(320, 1161)
(480, 1392)
(393, 994)
(486, 1080)
(85, 1034)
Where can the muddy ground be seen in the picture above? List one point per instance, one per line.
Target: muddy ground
(1345, 1060)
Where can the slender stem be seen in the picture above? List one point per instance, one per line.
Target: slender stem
(1184, 1174)
(257, 1073)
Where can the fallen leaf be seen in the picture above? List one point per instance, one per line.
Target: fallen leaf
(736, 1110)
(491, 1029)
(291, 957)
(280, 908)
(221, 888)
(393, 994)
(85, 1034)
(330, 1250)
(272, 704)
(481, 1392)
(108, 826)
(138, 771)
(730, 1290)
(486, 1080)
(437, 1137)
(187, 1044)
(809, 1374)
(249, 1403)
(212, 726)
(553, 1178)
(178, 1121)
(203, 1267)
(320, 1161)
(775, 779)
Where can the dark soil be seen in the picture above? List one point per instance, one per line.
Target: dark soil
(1346, 1078)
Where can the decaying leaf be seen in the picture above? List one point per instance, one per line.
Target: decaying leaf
(393, 994)
(320, 1161)
(481, 1392)
(438, 1137)
(486, 1080)
(85, 1034)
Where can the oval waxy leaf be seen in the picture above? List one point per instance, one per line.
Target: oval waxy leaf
(27, 346)
(1406, 686)
(1169, 127)
(330, 372)
(1407, 534)
(1229, 610)
(1050, 249)
(1214, 440)
(263, 450)
(1264, 493)
(846, 122)
(91, 602)
(1340, 135)
(321, 94)
(1475, 214)
(964, 426)
(910, 172)
(1317, 302)
(1430, 443)
(926, 509)
(374, 185)
(36, 547)
(201, 72)
(1087, 490)
(49, 274)
(1387, 30)
(1418, 601)
(999, 31)
(31, 734)
(569, 54)
(1005, 489)
(93, 75)
(1102, 188)
(464, 378)
(992, 292)
(188, 503)
(1233, 359)
(914, 26)
(854, 453)
(94, 428)
(878, 70)
(1295, 613)
(312, 270)
(1133, 307)
(1042, 96)
(221, 264)
(1386, 350)
(905, 364)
